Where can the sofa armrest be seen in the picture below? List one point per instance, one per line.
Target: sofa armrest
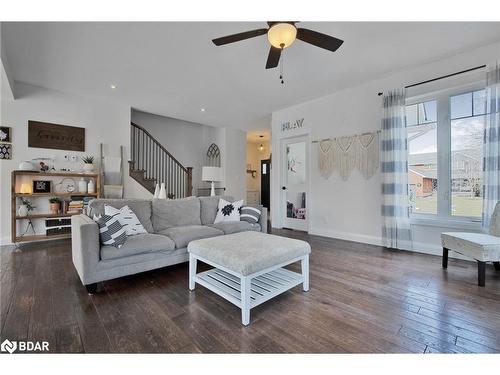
(85, 246)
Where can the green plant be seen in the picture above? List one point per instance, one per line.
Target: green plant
(55, 200)
(88, 159)
(28, 204)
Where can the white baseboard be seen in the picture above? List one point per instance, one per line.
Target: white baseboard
(4, 241)
(418, 247)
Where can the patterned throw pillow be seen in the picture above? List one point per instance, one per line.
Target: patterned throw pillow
(127, 218)
(111, 232)
(250, 214)
(228, 211)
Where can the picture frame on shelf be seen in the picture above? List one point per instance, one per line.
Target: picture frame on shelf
(42, 186)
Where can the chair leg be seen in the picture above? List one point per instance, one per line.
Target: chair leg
(496, 265)
(481, 273)
(445, 258)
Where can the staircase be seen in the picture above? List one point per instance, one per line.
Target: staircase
(152, 164)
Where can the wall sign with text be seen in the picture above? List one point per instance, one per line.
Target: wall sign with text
(292, 125)
(54, 136)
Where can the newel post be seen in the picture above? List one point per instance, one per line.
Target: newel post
(189, 187)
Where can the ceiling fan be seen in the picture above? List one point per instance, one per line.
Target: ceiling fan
(281, 34)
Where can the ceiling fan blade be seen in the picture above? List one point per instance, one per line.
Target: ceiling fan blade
(273, 58)
(319, 40)
(237, 37)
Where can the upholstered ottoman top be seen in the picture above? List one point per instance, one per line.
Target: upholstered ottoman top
(248, 252)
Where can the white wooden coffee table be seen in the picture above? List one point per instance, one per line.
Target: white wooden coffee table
(249, 267)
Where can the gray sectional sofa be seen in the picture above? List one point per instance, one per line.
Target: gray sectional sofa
(171, 225)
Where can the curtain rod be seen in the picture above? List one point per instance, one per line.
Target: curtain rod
(442, 77)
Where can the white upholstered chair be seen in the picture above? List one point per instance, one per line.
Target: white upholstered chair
(479, 246)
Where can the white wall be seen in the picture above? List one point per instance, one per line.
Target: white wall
(188, 142)
(351, 209)
(104, 121)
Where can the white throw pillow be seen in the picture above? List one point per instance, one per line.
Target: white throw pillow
(228, 211)
(127, 218)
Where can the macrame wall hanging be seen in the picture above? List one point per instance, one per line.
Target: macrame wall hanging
(344, 154)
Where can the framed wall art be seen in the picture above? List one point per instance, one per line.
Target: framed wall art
(5, 151)
(5, 134)
(54, 136)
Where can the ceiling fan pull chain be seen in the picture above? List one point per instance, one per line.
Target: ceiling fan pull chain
(281, 66)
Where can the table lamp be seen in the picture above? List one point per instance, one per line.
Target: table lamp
(211, 174)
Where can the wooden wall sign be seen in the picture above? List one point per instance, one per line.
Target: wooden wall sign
(59, 137)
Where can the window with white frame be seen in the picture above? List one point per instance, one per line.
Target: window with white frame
(445, 153)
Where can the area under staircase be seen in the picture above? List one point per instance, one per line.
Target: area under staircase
(152, 164)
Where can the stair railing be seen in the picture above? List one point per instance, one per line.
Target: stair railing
(152, 161)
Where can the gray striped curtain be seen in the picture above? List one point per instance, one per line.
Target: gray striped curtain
(491, 165)
(396, 232)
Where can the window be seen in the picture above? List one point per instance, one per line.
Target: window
(445, 153)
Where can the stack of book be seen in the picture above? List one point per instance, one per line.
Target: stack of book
(75, 206)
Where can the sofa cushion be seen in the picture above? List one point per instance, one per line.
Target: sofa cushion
(138, 244)
(228, 211)
(235, 226)
(209, 207)
(111, 231)
(141, 207)
(175, 212)
(187, 233)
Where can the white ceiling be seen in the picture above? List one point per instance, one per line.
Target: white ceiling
(173, 69)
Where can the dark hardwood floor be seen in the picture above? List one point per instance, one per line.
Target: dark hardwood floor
(363, 299)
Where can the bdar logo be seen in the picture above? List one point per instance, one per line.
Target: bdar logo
(8, 346)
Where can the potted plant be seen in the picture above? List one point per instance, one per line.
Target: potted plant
(88, 163)
(55, 205)
(25, 207)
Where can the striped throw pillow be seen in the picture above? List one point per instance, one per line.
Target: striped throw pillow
(127, 218)
(111, 232)
(250, 214)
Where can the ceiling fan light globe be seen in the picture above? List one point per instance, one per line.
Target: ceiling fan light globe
(282, 35)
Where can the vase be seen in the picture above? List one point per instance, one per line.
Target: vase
(91, 187)
(82, 185)
(88, 167)
(22, 210)
(157, 192)
(163, 192)
(54, 208)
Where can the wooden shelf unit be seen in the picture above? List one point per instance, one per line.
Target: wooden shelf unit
(35, 175)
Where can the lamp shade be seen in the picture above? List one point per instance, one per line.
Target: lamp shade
(211, 174)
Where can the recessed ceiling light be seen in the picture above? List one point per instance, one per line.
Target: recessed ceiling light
(202, 109)
(113, 87)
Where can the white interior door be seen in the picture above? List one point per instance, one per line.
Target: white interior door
(295, 177)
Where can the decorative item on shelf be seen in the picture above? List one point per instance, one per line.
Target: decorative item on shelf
(43, 163)
(157, 191)
(25, 207)
(55, 205)
(26, 188)
(67, 185)
(163, 192)
(91, 186)
(82, 185)
(26, 166)
(42, 186)
(88, 163)
(212, 175)
(5, 134)
(5, 151)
